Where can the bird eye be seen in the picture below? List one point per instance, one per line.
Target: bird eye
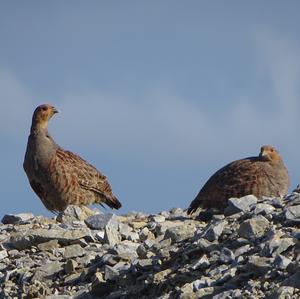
(44, 108)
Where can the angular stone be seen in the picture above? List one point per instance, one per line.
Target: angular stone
(70, 266)
(241, 250)
(146, 234)
(46, 271)
(149, 243)
(23, 240)
(100, 236)
(145, 263)
(207, 245)
(14, 253)
(107, 259)
(142, 252)
(243, 204)
(263, 208)
(25, 262)
(3, 254)
(15, 218)
(46, 246)
(73, 213)
(259, 265)
(226, 255)
(73, 251)
(187, 292)
(201, 264)
(160, 276)
(204, 293)
(111, 236)
(277, 202)
(278, 245)
(126, 250)
(202, 283)
(73, 278)
(85, 260)
(215, 231)
(100, 221)
(160, 228)
(113, 272)
(133, 236)
(254, 227)
(292, 213)
(166, 214)
(158, 218)
(162, 244)
(122, 266)
(138, 224)
(124, 230)
(110, 273)
(218, 272)
(180, 233)
(281, 262)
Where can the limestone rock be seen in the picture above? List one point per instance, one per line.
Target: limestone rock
(180, 233)
(254, 227)
(292, 213)
(72, 251)
(100, 221)
(15, 218)
(252, 254)
(242, 204)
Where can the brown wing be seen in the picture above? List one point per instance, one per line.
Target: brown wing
(237, 179)
(79, 181)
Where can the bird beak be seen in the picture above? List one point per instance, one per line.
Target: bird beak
(262, 154)
(55, 110)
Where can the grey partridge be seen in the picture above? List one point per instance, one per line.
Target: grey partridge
(264, 175)
(59, 177)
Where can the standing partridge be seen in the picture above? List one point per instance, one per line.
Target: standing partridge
(265, 175)
(59, 177)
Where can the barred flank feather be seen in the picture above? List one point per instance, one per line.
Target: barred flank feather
(265, 175)
(59, 177)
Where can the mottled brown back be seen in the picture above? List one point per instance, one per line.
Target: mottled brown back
(59, 177)
(260, 176)
(78, 182)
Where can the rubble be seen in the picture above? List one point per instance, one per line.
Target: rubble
(251, 252)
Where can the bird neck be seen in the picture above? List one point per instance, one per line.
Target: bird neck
(276, 162)
(39, 127)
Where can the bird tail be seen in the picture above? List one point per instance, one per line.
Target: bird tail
(191, 210)
(113, 202)
(193, 206)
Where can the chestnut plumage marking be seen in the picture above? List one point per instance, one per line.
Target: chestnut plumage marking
(60, 177)
(264, 175)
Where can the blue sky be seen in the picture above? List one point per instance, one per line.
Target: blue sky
(158, 95)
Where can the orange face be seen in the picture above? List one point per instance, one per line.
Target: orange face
(269, 153)
(43, 113)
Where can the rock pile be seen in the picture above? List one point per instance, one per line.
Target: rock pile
(252, 251)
